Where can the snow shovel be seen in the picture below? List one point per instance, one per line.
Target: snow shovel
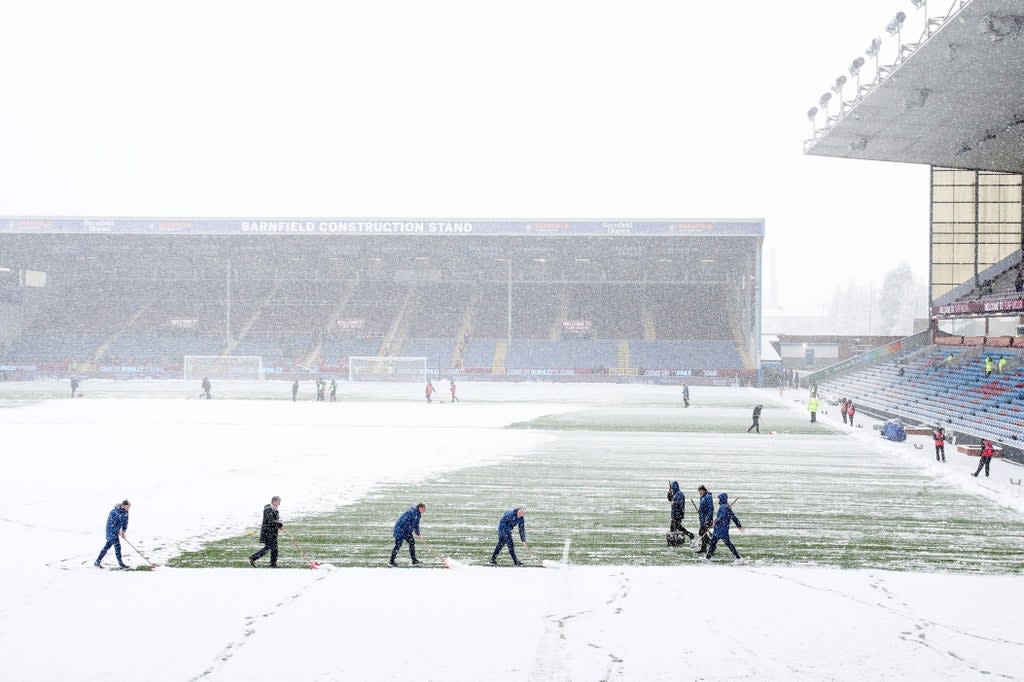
(445, 560)
(543, 562)
(302, 552)
(151, 565)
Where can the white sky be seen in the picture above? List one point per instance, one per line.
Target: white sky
(464, 109)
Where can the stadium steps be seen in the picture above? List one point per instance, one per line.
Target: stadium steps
(555, 333)
(500, 352)
(737, 335)
(244, 331)
(102, 350)
(319, 335)
(647, 323)
(463, 330)
(622, 358)
(393, 340)
(17, 320)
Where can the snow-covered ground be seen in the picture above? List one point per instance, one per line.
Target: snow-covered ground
(198, 470)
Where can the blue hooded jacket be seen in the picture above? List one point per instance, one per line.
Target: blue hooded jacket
(725, 515)
(407, 524)
(509, 520)
(678, 501)
(706, 511)
(117, 521)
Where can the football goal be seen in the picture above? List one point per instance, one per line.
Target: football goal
(242, 367)
(379, 368)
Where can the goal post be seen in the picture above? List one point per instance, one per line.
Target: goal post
(241, 367)
(380, 368)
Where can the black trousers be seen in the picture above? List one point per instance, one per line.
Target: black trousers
(728, 543)
(502, 541)
(940, 450)
(398, 545)
(814, 417)
(705, 537)
(271, 547)
(676, 526)
(844, 417)
(984, 463)
(755, 425)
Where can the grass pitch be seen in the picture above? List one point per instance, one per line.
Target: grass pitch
(809, 494)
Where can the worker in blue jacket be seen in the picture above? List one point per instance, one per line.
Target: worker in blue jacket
(509, 520)
(722, 521)
(706, 515)
(407, 529)
(678, 500)
(117, 524)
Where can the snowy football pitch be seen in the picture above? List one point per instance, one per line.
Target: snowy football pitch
(864, 558)
(808, 494)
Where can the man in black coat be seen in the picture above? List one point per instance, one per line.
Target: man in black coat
(757, 419)
(268, 533)
(678, 500)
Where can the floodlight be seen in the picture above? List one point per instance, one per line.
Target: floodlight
(825, 99)
(838, 85)
(873, 47)
(855, 66)
(896, 24)
(812, 115)
(918, 3)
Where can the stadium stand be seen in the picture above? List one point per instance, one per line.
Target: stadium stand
(515, 304)
(936, 391)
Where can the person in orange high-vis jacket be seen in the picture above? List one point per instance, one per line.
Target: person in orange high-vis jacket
(986, 457)
(940, 444)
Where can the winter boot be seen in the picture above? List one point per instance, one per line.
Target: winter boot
(518, 563)
(416, 562)
(493, 561)
(252, 562)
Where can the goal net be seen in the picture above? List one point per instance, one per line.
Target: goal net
(362, 368)
(223, 367)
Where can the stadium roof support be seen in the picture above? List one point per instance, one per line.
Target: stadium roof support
(954, 98)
